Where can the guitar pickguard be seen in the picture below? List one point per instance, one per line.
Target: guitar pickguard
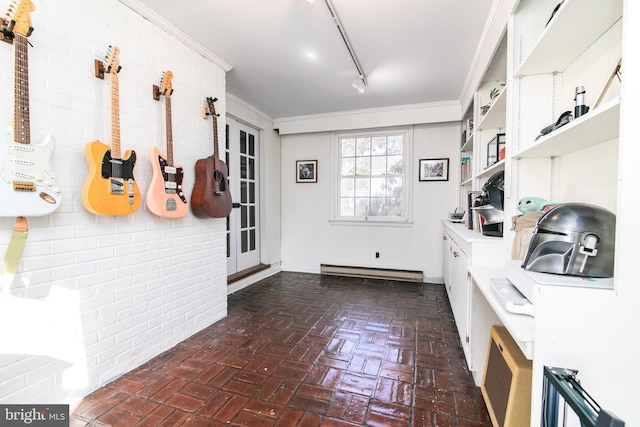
(28, 186)
(172, 177)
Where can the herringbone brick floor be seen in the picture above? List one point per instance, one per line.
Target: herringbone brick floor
(306, 350)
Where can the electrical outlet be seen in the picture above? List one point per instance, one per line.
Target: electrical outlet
(377, 254)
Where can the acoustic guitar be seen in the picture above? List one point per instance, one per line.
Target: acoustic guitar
(166, 197)
(27, 185)
(211, 196)
(110, 187)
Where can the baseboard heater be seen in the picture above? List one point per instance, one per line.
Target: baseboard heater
(371, 273)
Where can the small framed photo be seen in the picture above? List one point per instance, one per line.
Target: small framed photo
(306, 171)
(434, 170)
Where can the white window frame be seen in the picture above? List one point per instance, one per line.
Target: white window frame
(407, 179)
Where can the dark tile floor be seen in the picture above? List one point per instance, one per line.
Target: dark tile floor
(306, 350)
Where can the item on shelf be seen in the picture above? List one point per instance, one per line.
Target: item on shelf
(615, 72)
(580, 108)
(471, 214)
(469, 126)
(456, 216)
(555, 10)
(494, 147)
(511, 298)
(464, 137)
(564, 118)
(531, 204)
(489, 205)
(575, 239)
(523, 227)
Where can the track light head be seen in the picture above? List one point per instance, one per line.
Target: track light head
(359, 84)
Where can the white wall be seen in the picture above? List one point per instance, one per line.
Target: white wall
(96, 296)
(308, 239)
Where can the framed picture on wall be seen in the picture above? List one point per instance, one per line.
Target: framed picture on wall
(306, 171)
(434, 170)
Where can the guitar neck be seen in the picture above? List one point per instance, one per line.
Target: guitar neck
(216, 156)
(167, 103)
(115, 117)
(21, 111)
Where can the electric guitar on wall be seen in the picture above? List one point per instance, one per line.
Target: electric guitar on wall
(211, 196)
(28, 185)
(165, 197)
(110, 188)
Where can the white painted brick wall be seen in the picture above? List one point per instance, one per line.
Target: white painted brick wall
(101, 295)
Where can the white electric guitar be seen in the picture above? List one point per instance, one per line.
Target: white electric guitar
(28, 185)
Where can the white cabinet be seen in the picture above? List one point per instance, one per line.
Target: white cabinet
(462, 249)
(456, 265)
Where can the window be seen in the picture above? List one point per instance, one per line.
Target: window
(372, 173)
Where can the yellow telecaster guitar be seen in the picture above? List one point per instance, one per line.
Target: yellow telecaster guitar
(165, 197)
(27, 186)
(110, 188)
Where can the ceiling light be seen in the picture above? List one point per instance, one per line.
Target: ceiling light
(359, 84)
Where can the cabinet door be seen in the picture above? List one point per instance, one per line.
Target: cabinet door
(446, 262)
(459, 294)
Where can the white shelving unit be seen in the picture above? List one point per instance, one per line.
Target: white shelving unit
(578, 326)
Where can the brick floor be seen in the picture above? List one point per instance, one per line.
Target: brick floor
(306, 350)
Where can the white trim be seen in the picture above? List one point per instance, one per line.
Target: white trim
(165, 25)
(401, 115)
(253, 279)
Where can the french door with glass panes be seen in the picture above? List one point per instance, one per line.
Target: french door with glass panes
(243, 232)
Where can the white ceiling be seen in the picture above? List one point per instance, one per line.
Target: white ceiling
(288, 58)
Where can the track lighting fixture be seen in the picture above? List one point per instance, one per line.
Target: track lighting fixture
(361, 82)
(359, 85)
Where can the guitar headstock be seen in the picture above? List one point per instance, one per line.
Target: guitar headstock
(18, 18)
(212, 108)
(165, 85)
(112, 61)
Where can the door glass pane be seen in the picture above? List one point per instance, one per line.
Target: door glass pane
(252, 169)
(252, 145)
(252, 216)
(243, 142)
(252, 239)
(243, 192)
(243, 216)
(243, 167)
(252, 192)
(244, 244)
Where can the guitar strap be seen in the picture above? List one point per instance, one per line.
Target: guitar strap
(14, 252)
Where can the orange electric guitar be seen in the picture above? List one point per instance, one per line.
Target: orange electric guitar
(110, 188)
(211, 196)
(165, 197)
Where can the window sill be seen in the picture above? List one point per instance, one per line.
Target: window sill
(371, 223)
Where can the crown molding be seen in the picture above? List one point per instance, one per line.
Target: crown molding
(171, 29)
